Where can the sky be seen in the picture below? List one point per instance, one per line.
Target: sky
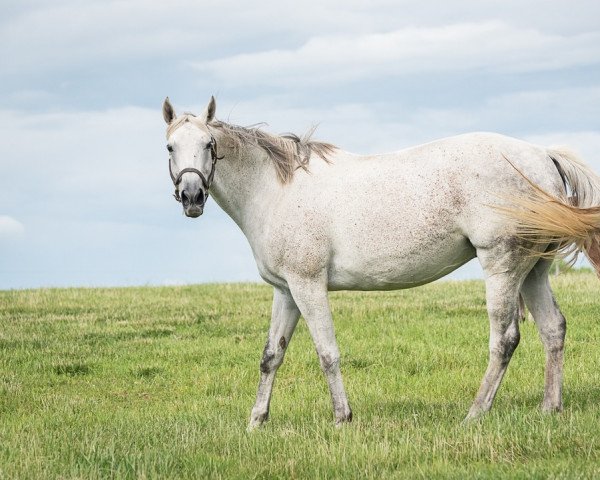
(85, 195)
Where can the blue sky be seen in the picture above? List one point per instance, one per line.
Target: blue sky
(85, 195)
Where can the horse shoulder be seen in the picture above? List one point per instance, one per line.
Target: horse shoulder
(296, 239)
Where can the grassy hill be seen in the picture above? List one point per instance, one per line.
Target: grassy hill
(159, 383)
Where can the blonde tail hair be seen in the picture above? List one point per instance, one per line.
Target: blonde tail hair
(571, 221)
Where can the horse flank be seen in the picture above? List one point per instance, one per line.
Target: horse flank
(288, 151)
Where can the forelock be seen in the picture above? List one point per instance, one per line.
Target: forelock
(182, 120)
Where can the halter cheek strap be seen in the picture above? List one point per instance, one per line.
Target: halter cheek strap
(206, 182)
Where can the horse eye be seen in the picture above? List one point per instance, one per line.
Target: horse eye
(170, 148)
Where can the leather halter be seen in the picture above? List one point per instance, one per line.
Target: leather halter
(206, 181)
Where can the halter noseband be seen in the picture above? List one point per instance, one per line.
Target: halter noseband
(206, 182)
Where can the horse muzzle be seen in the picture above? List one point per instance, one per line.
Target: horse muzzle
(193, 204)
(193, 211)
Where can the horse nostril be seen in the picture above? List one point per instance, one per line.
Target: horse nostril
(200, 197)
(184, 198)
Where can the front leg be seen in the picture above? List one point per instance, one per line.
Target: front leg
(284, 319)
(311, 298)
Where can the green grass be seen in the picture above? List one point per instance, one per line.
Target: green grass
(159, 383)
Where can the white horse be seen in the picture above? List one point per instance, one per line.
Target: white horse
(319, 219)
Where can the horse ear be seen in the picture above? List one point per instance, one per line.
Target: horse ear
(209, 111)
(168, 111)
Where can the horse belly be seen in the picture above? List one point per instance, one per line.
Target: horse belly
(403, 265)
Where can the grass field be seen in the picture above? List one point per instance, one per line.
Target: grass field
(159, 383)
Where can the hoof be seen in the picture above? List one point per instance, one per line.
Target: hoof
(549, 409)
(343, 420)
(257, 420)
(473, 416)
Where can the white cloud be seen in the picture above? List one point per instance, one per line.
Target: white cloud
(520, 113)
(39, 35)
(492, 46)
(74, 33)
(82, 33)
(82, 161)
(9, 227)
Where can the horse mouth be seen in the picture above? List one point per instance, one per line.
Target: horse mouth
(193, 211)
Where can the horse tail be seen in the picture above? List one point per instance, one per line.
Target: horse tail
(570, 222)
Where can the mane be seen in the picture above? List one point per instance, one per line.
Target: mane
(288, 151)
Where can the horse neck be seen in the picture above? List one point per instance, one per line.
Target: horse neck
(244, 185)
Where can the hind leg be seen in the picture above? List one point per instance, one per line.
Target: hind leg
(502, 291)
(552, 327)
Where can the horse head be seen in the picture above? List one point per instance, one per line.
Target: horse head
(192, 156)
